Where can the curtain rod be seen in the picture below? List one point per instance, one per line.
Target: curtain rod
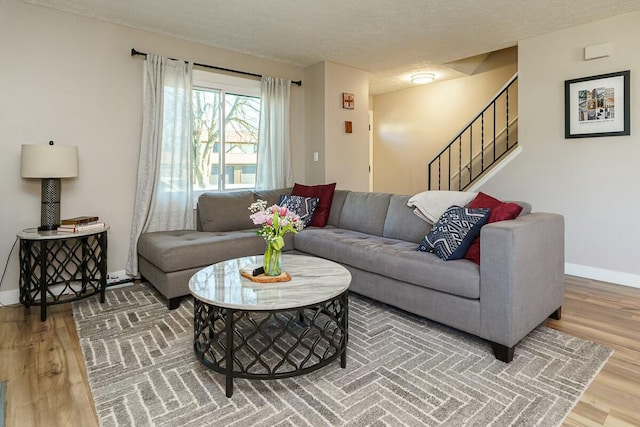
(135, 52)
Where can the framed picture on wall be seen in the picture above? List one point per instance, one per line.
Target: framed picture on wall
(348, 101)
(597, 106)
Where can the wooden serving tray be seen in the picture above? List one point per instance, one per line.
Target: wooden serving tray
(283, 277)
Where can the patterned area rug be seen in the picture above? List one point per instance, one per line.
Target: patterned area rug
(401, 370)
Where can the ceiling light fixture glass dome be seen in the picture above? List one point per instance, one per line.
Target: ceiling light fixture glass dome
(422, 78)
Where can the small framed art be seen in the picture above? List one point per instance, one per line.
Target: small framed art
(597, 106)
(348, 101)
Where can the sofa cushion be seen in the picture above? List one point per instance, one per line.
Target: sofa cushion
(336, 207)
(425, 246)
(225, 211)
(272, 197)
(454, 232)
(304, 207)
(401, 223)
(392, 258)
(500, 211)
(526, 207)
(184, 249)
(365, 212)
(322, 192)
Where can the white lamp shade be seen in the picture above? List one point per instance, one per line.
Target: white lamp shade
(49, 161)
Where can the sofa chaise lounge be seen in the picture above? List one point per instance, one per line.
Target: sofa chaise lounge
(518, 284)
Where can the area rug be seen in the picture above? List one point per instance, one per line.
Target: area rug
(401, 370)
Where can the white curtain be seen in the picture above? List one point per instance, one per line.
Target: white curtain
(164, 190)
(274, 151)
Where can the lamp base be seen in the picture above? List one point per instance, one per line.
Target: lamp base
(50, 206)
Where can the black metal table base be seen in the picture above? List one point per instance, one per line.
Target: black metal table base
(270, 344)
(61, 270)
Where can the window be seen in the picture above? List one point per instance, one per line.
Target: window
(225, 114)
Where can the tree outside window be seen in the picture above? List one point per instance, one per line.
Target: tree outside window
(225, 139)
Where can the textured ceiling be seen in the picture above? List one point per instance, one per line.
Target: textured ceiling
(389, 39)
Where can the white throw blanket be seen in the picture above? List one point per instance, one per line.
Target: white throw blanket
(430, 205)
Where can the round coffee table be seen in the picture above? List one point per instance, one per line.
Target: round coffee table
(270, 330)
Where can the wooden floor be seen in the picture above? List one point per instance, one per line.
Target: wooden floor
(47, 381)
(609, 315)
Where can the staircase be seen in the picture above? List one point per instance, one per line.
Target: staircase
(480, 145)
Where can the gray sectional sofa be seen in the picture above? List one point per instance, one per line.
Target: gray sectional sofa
(518, 284)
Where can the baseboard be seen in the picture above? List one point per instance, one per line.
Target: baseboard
(114, 281)
(603, 275)
(118, 278)
(10, 297)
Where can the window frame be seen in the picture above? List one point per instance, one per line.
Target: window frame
(206, 80)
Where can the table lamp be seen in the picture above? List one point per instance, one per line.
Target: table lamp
(49, 163)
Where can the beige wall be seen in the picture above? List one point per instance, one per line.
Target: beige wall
(342, 157)
(411, 126)
(593, 182)
(72, 80)
(347, 155)
(314, 123)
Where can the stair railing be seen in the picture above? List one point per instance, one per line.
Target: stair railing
(488, 137)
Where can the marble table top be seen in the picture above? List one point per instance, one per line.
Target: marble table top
(34, 234)
(313, 280)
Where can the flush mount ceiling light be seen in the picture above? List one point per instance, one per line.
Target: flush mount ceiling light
(422, 78)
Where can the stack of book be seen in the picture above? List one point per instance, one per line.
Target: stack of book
(79, 224)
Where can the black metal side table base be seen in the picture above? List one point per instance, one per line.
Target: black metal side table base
(270, 344)
(75, 265)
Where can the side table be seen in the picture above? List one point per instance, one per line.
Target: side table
(57, 267)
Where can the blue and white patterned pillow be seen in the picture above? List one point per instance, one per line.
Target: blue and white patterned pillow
(304, 207)
(425, 246)
(455, 231)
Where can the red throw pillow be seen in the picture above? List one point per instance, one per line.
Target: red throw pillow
(500, 211)
(322, 192)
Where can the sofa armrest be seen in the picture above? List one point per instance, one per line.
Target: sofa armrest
(521, 275)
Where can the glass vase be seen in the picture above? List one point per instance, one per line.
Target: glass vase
(272, 260)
